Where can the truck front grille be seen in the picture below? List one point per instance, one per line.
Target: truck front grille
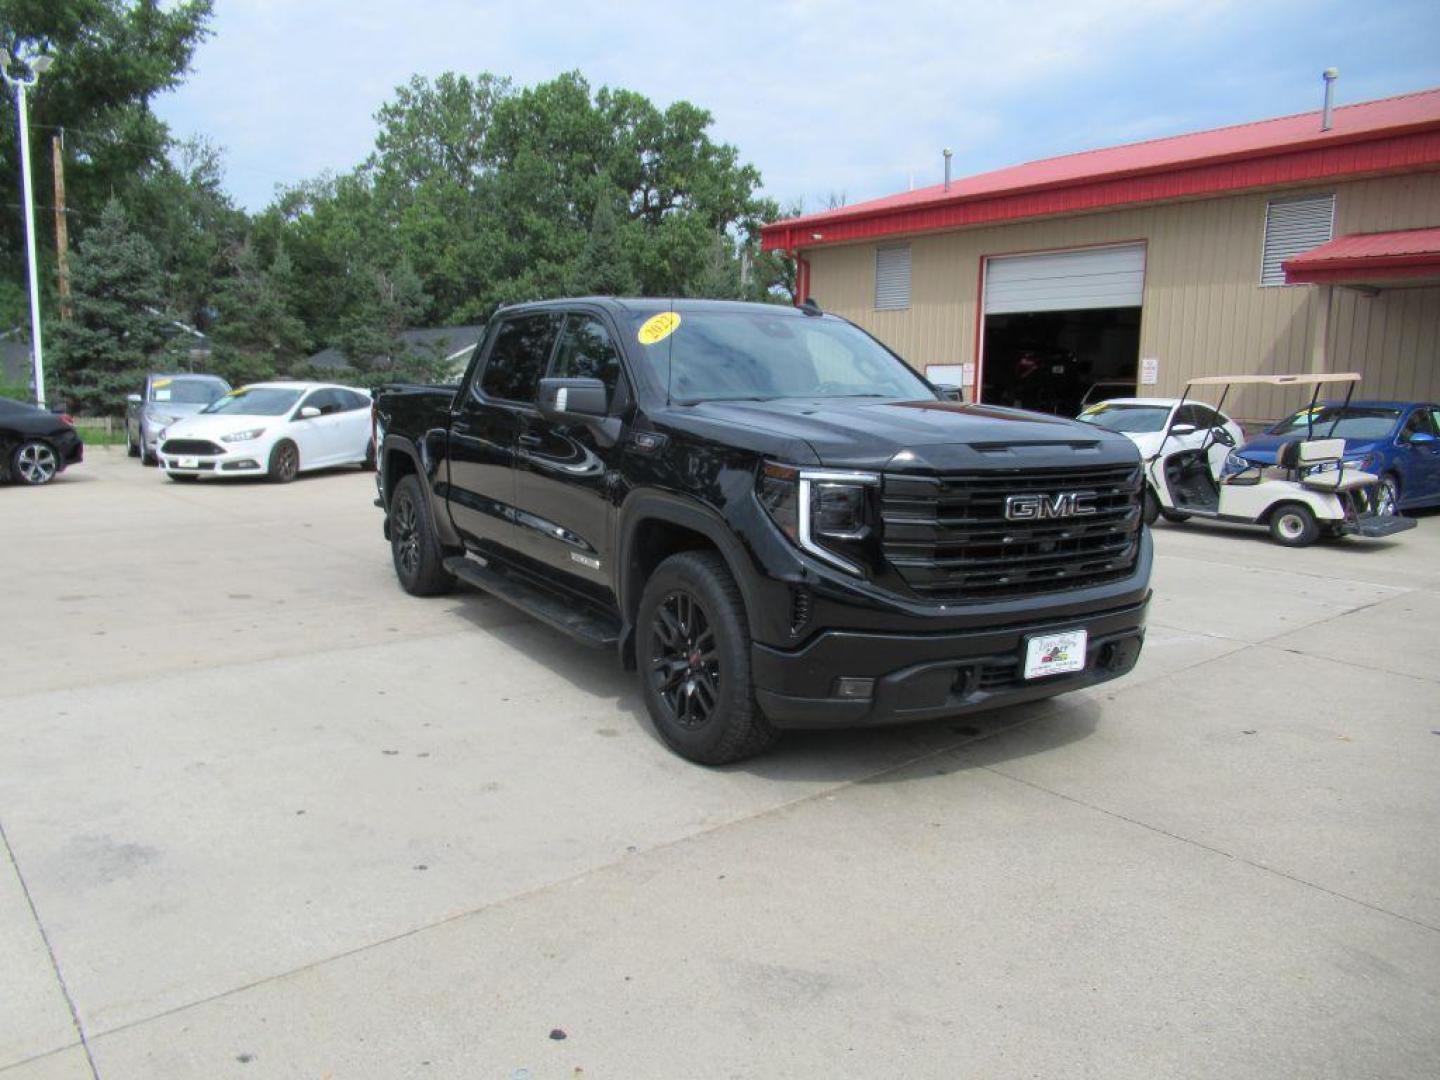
(949, 538)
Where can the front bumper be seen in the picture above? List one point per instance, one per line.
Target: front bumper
(927, 676)
(236, 463)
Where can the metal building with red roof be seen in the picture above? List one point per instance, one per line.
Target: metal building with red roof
(1280, 245)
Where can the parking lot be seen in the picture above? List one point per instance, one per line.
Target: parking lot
(267, 815)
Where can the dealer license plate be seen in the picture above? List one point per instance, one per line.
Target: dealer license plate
(188, 462)
(1055, 654)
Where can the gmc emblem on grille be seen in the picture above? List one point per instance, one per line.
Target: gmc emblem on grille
(1039, 507)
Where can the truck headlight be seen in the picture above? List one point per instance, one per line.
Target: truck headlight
(243, 436)
(827, 512)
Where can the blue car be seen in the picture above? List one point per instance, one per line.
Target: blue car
(1398, 441)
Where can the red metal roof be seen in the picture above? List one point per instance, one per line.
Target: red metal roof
(1398, 134)
(1407, 255)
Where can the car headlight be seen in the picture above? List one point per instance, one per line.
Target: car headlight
(1362, 463)
(159, 419)
(828, 513)
(1234, 463)
(243, 436)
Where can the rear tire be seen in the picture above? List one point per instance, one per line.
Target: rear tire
(34, 463)
(694, 652)
(414, 546)
(284, 462)
(1293, 525)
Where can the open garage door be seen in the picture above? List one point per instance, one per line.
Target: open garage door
(1061, 325)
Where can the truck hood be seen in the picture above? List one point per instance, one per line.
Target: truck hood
(923, 436)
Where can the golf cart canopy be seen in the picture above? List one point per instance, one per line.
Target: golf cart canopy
(1275, 380)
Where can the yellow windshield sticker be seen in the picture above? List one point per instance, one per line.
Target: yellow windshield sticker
(658, 327)
(158, 383)
(1093, 409)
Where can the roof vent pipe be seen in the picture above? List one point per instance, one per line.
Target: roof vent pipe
(948, 155)
(1329, 75)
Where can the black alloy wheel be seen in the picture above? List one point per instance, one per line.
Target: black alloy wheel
(684, 659)
(692, 646)
(414, 547)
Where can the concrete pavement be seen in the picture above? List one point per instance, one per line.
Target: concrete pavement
(266, 815)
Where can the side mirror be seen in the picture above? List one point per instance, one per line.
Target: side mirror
(1421, 438)
(573, 399)
(1182, 429)
(950, 392)
(133, 399)
(308, 412)
(579, 401)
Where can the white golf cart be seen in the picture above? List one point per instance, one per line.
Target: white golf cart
(1308, 494)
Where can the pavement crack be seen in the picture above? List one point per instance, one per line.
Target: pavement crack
(50, 952)
(1262, 867)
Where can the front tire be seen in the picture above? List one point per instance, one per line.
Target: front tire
(694, 647)
(1293, 525)
(34, 463)
(414, 546)
(1387, 497)
(1150, 505)
(284, 462)
(132, 446)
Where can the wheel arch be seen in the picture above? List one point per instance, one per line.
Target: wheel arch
(652, 527)
(399, 457)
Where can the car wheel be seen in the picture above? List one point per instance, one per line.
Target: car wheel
(414, 547)
(132, 447)
(368, 465)
(148, 457)
(694, 649)
(1150, 505)
(34, 463)
(284, 462)
(1293, 525)
(1173, 515)
(1387, 496)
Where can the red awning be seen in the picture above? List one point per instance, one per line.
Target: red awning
(1407, 257)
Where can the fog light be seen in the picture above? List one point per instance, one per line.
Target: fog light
(853, 688)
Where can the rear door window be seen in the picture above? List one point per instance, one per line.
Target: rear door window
(519, 356)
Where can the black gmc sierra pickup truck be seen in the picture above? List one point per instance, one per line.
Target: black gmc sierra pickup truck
(770, 515)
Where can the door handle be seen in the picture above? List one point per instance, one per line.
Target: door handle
(530, 440)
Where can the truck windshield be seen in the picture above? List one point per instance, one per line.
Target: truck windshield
(1135, 419)
(757, 356)
(1356, 422)
(187, 391)
(256, 401)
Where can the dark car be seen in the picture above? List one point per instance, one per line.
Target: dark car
(1398, 441)
(35, 445)
(770, 514)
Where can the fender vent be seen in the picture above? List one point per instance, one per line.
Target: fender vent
(799, 609)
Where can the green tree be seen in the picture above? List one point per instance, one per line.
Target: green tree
(370, 338)
(111, 57)
(255, 335)
(103, 352)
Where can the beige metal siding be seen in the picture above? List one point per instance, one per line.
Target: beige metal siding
(1204, 309)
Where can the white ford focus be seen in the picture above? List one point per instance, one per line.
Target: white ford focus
(272, 429)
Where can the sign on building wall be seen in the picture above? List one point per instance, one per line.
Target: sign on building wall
(1149, 370)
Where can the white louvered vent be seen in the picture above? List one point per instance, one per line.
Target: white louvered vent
(892, 278)
(1293, 226)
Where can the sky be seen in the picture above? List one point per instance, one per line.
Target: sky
(827, 99)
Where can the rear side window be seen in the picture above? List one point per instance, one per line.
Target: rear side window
(353, 399)
(327, 401)
(518, 358)
(586, 352)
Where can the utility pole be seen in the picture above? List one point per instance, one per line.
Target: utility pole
(62, 226)
(37, 66)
